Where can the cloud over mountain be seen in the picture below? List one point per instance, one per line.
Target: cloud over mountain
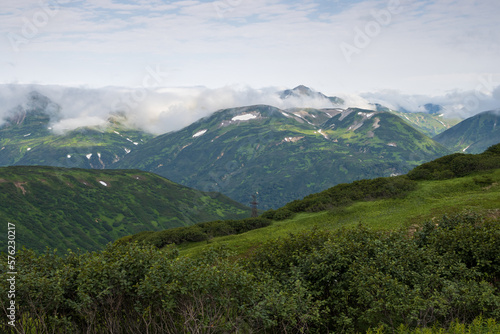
(157, 110)
(160, 110)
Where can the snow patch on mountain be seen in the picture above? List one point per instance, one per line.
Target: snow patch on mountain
(200, 133)
(323, 134)
(367, 115)
(244, 117)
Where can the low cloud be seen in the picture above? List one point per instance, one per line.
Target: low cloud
(455, 104)
(163, 110)
(154, 110)
(67, 124)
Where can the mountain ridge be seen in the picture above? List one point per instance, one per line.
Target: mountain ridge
(474, 134)
(281, 154)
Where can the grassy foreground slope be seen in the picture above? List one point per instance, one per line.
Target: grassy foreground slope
(77, 208)
(446, 185)
(430, 200)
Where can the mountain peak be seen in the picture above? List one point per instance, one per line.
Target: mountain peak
(474, 134)
(302, 91)
(37, 107)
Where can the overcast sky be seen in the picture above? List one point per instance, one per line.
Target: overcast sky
(415, 47)
(168, 63)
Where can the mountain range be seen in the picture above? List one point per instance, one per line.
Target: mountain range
(281, 154)
(27, 138)
(284, 154)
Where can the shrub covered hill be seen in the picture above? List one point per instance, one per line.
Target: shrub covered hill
(78, 208)
(308, 267)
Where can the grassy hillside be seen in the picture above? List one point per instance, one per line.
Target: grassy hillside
(77, 208)
(430, 200)
(429, 124)
(469, 182)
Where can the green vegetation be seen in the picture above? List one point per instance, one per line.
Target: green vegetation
(457, 165)
(403, 254)
(198, 232)
(411, 202)
(443, 273)
(429, 124)
(76, 208)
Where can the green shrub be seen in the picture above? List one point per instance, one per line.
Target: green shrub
(457, 165)
(344, 194)
(282, 214)
(362, 278)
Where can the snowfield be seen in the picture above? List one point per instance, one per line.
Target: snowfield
(199, 133)
(245, 117)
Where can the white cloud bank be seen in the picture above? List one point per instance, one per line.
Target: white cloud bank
(158, 110)
(161, 110)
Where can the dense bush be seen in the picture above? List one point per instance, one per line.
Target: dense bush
(280, 214)
(131, 288)
(444, 273)
(199, 232)
(346, 193)
(457, 165)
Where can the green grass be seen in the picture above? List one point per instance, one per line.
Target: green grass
(430, 200)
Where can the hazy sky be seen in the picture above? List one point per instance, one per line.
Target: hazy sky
(335, 46)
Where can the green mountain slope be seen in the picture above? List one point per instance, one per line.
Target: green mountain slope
(27, 139)
(76, 208)
(474, 134)
(429, 124)
(284, 154)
